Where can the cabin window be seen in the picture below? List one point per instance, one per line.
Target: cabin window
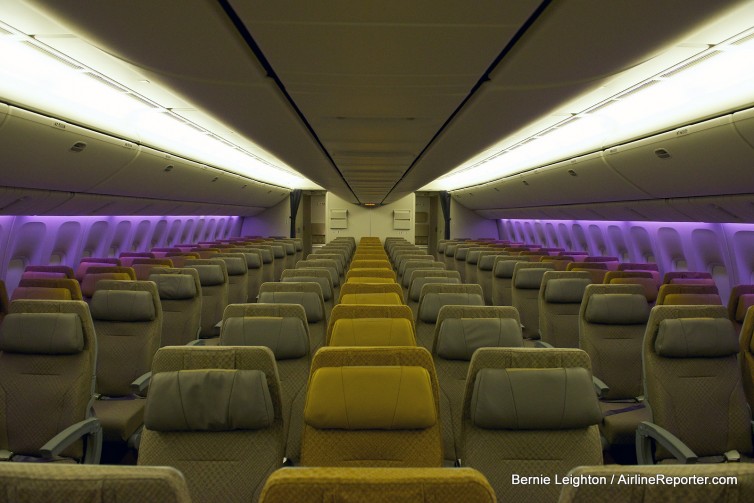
(175, 229)
(566, 237)
(55, 259)
(198, 231)
(580, 237)
(159, 232)
(552, 234)
(66, 240)
(13, 275)
(140, 236)
(642, 243)
(209, 232)
(95, 239)
(119, 237)
(722, 280)
(598, 239)
(185, 235)
(541, 235)
(680, 264)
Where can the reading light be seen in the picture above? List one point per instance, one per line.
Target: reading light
(41, 78)
(716, 80)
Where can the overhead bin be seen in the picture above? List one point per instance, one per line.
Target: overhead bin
(17, 201)
(46, 153)
(681, 163)
(582, 179)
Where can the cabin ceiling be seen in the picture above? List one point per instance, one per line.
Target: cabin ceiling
(373, 100)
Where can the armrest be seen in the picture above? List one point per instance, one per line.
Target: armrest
(543, 344)
(648, 432)
(73, 433)
(600, 387)
(141, 383)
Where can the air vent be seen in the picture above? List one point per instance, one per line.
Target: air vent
(79, 146)
(638, 89)
(52, 55)
(741, 41)
(601, 106)
(688, 65)
(662, 153)
(107, 82)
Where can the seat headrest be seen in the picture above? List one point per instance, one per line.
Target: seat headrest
(648, 284)
(432, 302)
(418, 283)
(253, 260)
(504, 268)
(617, 309)
(286, 337)
(745, 301)
(534, 399)
(209, 274)
(41, 292)
(309, 300)
(236, 266)
(696, 338)
(565, 290)
(122, 305)
(174, 286)
(692, 281)
(42, 333)
(43, 275)
(208, 400)
(458, 338)
(486, 262)
(388, 298)
(324, 283)
(278, 251)
(370, 398)
(372, 332)
(89, 283)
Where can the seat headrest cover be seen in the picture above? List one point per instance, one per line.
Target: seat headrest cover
(208, 400)
(648, 284)
(209, 274)
(565, 290)
(504, 268)
(418, 283)
(278, 251)
(309, 300)
(745, 301)
(324, 283)
(43, 275)
(253, 260)
(617, 309)
(534, 399)
(370, 398)
(458, 338)
(692, 281)
(432, 302)
(696, 338)
(529, 278)
(174, 286)
(236, 266)
(372, 332)
(388, 298)
(42, 333)
(486, 262)
(286, 337)
(122, 305)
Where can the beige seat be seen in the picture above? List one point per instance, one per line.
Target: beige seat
(268, 261)
(415, 265)
(215, 414)
(746, 348)
(433, 298)
(612, 322)
(88, 262)
(559, 304)
(688, 278)
(740, 300)
(128, 321)
(373, 407)
(692, 383)
(407, 485)
(48, 272)
(485, 264)
(529, 412)
(213, 276)
(181, 299)
(238, 277)
(502, 274)
(283, 329)
(85, 484)
(48, 288)
(643, 278)
(653, 269)
(3, 301)
(421, 277)
(98, 272)
(308, 295)
(459, 331)
(597, 270)
(127, 258)
(329, 264)
(525, 284)
(645, 485)
(48, 352)
(472, 261)
(255, 274)
(313, 275)
(179, 258)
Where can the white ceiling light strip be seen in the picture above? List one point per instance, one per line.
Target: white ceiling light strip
(714, 81)
(36, 76)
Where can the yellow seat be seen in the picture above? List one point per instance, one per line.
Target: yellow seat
(373, 332)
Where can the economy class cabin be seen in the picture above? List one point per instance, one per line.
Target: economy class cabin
(445, 251)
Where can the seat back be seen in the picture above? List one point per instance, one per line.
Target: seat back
(308, 295)
(692, 379)
(143, 266)
(371, 264)
(255, 275)
(559, 304)
(97, 272)
(740, 300)
(238, 272)
(461, 330)
(346, 312)
(597, 270)
(329, 264)
(688, 278)
(48, 288)
(350, 292)
(407, 485)
(674, 294)
(213, 276)
(48, 352)
(643, 278)
(180, 292)
(414, 265)
(502, 274)
(47, 271)
(127, 318)
(232, 412)
(83, 484)
(525, 284)
(612, 321)
(371, 272)
(484, 266)
(180, 258)
(529, 412)
(313, 275)
(421, 277)
(374, 407)
(88, 262)
(746, 348)
(435, 296)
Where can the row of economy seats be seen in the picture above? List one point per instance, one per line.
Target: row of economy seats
(342, 421)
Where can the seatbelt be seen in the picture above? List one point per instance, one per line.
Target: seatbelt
(635, 406)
